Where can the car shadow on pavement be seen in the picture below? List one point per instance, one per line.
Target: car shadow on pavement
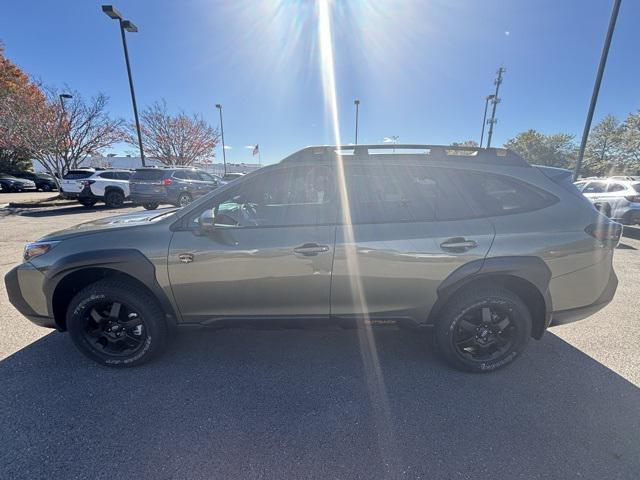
(66, 210)
(314, 404)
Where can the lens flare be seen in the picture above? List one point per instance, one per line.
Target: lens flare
(368, 349)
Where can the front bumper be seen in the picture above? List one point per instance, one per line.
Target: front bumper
(563, 317)
(18, 300)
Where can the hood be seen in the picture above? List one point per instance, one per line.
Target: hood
(128, 220)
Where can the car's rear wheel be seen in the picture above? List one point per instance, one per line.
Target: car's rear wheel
(87, 202)
(150, 206)
(483, 329)
(45, 187)
(114, 198)
(117, 324)
(184, 199)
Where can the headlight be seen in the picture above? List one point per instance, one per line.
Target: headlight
(35, 249)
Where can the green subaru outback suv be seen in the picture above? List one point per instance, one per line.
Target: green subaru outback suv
(476, 244)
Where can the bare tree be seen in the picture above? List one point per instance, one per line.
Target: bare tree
(174, 139)
(60, 136)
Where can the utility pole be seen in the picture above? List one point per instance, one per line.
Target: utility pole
(484, 118)
(224, 153)
(495, 100)
(596, 87)
(357, 104)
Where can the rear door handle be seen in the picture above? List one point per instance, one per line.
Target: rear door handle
(311, 249)
(458, 244)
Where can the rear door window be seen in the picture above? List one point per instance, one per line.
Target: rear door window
(401, 193)
(493, 194)
(616, 187)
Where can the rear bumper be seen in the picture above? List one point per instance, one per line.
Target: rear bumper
(563, 317)
(151, 198)
(17, 299)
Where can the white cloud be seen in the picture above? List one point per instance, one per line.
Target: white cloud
(228, 147)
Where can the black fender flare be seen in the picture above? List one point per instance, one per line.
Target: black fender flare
(131, 262)
(532, 269)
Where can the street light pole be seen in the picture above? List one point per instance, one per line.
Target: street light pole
(596, 87)
(127, 25)
(484, 118)
(224, 154)
(357, 104)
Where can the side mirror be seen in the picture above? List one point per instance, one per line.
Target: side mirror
(206, 221)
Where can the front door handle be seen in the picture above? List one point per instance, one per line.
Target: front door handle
(458, 244)
(310, 249)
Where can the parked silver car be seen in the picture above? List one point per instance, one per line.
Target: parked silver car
(475, 244)
(616, 197)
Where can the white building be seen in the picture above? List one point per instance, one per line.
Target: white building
(130, 162)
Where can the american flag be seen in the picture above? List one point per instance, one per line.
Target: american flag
(256, 150)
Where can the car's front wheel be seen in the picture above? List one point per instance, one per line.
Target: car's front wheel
(116, 323)
(114, 198)
(150, 206)
(483, 329)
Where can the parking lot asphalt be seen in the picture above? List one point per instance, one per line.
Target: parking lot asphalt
(319, 404)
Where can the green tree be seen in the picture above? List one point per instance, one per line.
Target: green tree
(603, 155)
(557, 150)
(630, 143)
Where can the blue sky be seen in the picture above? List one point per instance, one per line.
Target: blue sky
(421, 68)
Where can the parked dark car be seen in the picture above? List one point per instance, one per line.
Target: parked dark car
(43, 181)
(178, 186)
(9, 183)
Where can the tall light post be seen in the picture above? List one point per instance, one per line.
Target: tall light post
(224, 154)
(596, 87)
(357, 104)
(484, 119)
(127, 25)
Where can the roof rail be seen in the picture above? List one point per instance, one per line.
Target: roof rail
(448, 153)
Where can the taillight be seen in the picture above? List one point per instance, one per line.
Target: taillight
(607, 232)
(633, 198)
(86, 183)
(167, 181)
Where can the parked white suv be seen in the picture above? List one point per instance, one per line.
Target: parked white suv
(618, 198)
(90, 187)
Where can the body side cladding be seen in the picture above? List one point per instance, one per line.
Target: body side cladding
(127, 261)
(532, 270)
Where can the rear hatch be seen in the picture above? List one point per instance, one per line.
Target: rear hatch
(72, 182)
(147, 181)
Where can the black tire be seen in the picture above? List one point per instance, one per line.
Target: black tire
(87, 202)
(45, 187)
(184, 199)
(483, 329)
(150, 206)
(114, 198)
(131, 337)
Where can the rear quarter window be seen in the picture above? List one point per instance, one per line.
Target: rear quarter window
(77, 174)
(493, 194)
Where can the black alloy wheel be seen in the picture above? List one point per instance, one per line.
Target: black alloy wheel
(483, 328)
(116, 323)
